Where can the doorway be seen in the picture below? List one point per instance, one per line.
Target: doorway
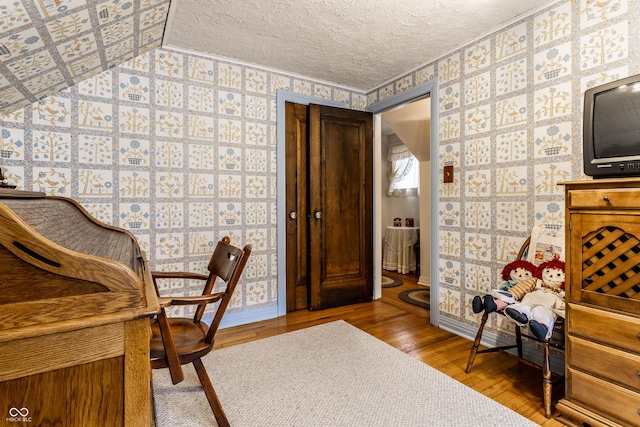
(428, 88)
(405, 140)
(429, 185)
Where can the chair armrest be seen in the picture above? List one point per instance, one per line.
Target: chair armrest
(190, 300)
(178, 275)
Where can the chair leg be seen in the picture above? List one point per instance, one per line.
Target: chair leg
(519, 340)
(476, 342)
(212, 397)
(173, 360)
(547, 385)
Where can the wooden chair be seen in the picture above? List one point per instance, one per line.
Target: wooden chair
(179, 341)
(556, 341)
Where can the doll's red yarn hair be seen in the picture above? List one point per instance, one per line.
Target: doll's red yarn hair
(519, 263)
(554, 262)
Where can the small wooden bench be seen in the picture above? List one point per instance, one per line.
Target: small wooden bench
(549, 379)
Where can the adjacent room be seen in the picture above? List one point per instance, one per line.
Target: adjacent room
(371, 170)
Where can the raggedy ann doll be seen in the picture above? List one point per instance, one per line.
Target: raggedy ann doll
(540, 307)
(518, 279)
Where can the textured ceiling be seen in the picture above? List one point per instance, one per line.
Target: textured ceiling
(49, 45)
(354, 43)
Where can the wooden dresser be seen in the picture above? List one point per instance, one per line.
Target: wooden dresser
(603, 296)
(75, 300)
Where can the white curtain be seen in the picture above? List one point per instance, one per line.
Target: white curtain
(404, 174)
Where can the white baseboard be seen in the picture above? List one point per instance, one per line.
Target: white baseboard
(243, 317)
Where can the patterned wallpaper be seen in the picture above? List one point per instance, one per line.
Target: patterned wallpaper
(180, 148)
(511, 125)
(175, 147)
(49, 45)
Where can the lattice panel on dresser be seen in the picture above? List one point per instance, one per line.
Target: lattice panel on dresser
(611, 263)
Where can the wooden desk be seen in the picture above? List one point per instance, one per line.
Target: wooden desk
(399, 254)
(74, 317)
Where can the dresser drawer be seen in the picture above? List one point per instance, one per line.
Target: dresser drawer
(609, 328)
(602, 396)
(605, 362)
(611, 198)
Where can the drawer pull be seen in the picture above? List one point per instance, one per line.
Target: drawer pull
(606, 199)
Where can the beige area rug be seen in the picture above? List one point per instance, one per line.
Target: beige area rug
(327, 375)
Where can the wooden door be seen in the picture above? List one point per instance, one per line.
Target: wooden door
(340, 206)
(329, 259)
(297, 203)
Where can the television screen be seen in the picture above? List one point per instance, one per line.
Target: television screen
(616, 124)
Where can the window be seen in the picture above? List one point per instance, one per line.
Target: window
(404, 174)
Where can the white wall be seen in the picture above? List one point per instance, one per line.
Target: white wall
(425, 219)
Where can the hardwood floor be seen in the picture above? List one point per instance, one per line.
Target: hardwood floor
(406, 327)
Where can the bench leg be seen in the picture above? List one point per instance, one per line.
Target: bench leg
(476, 342)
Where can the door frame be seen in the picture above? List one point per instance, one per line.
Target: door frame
(428, 88)
(282, 97)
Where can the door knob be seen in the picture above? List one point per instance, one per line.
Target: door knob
(317, 214)
(293, 217)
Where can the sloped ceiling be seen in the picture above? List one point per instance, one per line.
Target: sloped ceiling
(50, 45)
(411, 123)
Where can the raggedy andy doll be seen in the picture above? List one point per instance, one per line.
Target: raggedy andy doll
(540, 307)
(518, 279)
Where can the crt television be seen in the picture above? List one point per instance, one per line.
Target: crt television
(611, 129)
